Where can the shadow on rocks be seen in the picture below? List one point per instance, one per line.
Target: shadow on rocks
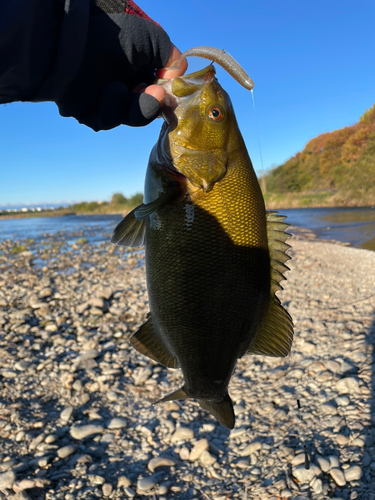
(366, 486)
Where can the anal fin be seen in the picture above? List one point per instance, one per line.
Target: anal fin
(147, 341)
(174, 396)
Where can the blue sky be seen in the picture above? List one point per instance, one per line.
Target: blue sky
(313, 64)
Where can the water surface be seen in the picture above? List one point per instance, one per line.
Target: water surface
(352, 225)
(95, 228)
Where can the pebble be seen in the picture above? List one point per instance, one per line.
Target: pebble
(342, 400)
(286, 493)
(316, 485)
(24, 484)
(66, 451)
(353, 473)
(348, 385)
(7, 480)
(123, 481)
(83, 431)
(338, 476)
(156, 462)
(146, 483)
(197, 450)
(36, 441)
(66, 414)
(251, 448)
(182, 434)
(341, 440)
(329, 409)
(184, 453)
(206, 459)
(117, 423)
(112, 396)
(141, 375)
(84, 373)
(21, 365)
(358, 442)
(298, 459)
(107, 489)
(22, 495)
(334, 366)
(129, 492)
(334, 461)
(305, 475)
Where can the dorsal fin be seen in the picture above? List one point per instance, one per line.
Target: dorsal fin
(277, 247)
(275, 333)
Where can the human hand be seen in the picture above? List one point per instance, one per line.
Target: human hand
(157, 91)
(114, 84)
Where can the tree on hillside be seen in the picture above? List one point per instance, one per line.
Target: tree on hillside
(119, 199)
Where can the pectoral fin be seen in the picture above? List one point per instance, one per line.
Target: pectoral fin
(147, 341)
(144, 211)
(130, 232)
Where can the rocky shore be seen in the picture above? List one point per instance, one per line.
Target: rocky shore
(76, 421)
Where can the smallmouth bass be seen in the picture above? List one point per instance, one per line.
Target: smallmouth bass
(214, 256)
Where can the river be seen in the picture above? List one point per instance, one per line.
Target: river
(352, 225)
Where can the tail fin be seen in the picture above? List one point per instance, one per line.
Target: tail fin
(223, 411)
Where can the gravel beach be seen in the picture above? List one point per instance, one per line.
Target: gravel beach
(76, 418)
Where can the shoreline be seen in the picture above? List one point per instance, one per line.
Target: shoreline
(61, 214)
(269, 206)
(75, 396)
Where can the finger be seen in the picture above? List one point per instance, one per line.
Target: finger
(155, 91)
(142, 109)
(166, 72)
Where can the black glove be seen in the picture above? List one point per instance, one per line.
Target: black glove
(123, 49)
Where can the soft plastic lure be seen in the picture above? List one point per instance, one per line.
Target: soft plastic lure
(223, 59)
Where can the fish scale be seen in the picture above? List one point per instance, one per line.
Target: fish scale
(214, 257)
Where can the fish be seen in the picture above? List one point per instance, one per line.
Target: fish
(214, 257)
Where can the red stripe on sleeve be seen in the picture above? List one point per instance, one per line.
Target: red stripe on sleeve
(133, 10)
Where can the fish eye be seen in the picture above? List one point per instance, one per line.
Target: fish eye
(216, 114)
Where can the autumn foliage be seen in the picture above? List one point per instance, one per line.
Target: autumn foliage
(342, 161)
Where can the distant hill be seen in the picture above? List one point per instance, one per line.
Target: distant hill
(335, 168)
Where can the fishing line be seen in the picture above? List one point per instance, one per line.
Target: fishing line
(260, 149)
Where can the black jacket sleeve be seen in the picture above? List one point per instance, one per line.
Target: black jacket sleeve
(41, 47)
(85, 55)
